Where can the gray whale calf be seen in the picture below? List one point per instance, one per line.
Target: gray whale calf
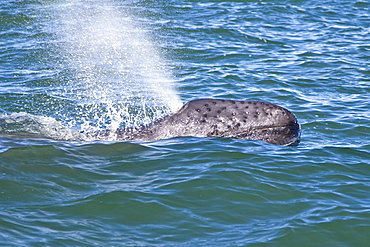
(253, 120)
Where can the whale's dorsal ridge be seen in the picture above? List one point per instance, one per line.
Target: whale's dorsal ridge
(246, 113)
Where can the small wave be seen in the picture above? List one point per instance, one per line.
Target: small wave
(25, 125)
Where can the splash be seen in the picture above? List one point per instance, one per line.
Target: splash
(114, 73)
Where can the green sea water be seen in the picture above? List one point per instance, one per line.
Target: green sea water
(93, 65)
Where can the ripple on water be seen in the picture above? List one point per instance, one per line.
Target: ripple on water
(309, 57)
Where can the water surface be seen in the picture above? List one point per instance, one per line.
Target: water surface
(308, 56)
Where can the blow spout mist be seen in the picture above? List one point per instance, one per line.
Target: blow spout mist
(114, 71)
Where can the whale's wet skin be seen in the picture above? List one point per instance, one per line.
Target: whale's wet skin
(252, 120)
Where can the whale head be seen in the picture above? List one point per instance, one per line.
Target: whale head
(254, 120)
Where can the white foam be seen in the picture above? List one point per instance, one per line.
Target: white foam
(31, 126)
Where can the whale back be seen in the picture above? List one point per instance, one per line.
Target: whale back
(254, 120)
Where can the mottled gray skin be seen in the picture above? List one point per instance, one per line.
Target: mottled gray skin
(252, 120)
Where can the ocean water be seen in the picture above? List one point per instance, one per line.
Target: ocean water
(93, 65)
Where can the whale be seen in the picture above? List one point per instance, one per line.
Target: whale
(250, 120)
